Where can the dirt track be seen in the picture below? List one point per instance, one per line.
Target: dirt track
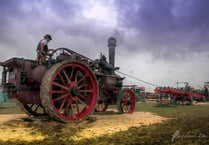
(21, 127)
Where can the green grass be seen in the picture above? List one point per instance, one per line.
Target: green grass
(169, 112)
(191, 121)
(182, 110)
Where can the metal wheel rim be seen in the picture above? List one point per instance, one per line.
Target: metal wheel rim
(128, 102)
(34, 109)
(101, 107)
(73, 106)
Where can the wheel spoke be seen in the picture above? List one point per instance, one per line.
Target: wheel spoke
(126, 95)
(87, 91)
(58, 92)
(31, 106)
(68, 80)
(60, 109)
(76, 76)
(82, 78)
(77, 106)
(62, 79)
(82, 85)
(36, 108)
(125, 100)
(61, 97)
(61, 86)
(72, 71)
(67, 107)
(83, 103)
(82, 96)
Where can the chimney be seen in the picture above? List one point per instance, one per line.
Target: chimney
(112, 45)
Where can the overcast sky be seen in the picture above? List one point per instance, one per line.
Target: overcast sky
(159, 41)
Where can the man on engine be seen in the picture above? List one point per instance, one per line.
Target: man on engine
(42, 49)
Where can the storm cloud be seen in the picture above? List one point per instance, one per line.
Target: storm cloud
(160, 41)
(171, 26)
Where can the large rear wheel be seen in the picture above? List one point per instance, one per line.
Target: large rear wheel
(69, 91)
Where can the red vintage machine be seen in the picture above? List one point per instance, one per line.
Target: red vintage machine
(69, 87)
(180, 96)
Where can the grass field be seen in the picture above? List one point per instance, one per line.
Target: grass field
(186, 125)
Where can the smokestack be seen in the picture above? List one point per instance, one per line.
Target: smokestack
(112, 45)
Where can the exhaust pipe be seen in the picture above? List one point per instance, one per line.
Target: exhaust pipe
(112, 45)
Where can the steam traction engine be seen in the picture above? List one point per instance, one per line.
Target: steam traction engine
(68, 87)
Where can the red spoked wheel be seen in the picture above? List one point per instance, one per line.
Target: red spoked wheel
(101, 104)
(69, 91)
(126, 101)
(33, 109)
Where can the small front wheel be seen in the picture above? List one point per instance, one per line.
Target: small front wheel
(126, 101)
(101, 105)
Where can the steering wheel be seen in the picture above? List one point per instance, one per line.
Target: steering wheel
(59, 51)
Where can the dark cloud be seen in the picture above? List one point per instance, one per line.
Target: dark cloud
(42, 14)
(8, 10)
(9, 6)
(64, 8)
(173, 26)
(24, 22)
(23, 18)
(145, 30)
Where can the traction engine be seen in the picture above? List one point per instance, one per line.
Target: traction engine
(68, 87)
